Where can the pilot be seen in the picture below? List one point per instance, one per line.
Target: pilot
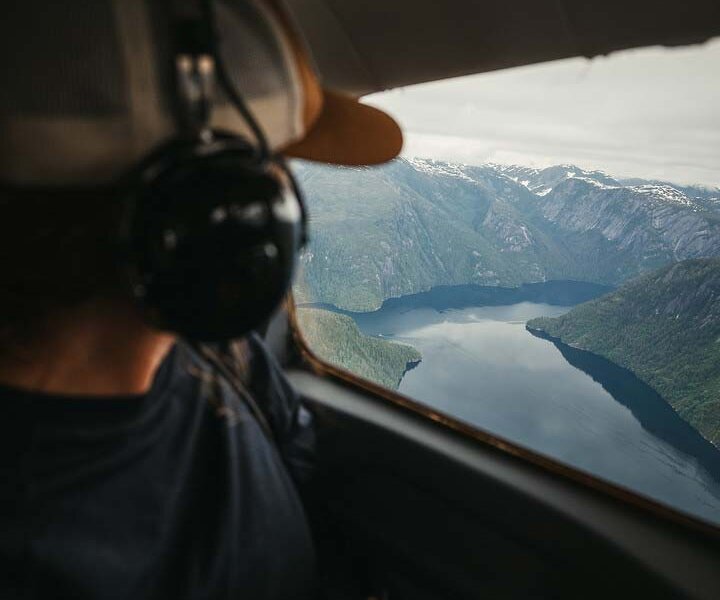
(151, 446)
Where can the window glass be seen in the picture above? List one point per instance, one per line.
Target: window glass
(543, 263)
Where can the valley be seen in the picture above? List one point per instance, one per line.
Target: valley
(481, 365)
(564, 309)
(665, 327)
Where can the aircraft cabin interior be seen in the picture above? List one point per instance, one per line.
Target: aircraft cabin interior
(506, 334)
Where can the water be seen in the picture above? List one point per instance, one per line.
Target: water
(480, 364)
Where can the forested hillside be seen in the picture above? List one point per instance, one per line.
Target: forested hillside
(665, 327)
(411, 225)
(336, 339)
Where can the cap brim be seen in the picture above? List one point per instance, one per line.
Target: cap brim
(347, 132)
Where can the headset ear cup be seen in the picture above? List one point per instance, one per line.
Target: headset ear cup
(213, 240)
(291, 183)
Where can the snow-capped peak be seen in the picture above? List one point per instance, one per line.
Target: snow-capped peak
(666, 193)
(596, 183)
(433, 167)
(541, 181)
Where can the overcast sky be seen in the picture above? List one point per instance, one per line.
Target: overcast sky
(652, 113)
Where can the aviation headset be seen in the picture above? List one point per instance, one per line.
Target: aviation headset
(213, 224)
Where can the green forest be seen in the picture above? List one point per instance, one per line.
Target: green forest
(336, 339)
(665, 327)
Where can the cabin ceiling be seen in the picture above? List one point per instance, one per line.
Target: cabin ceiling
(365, 46)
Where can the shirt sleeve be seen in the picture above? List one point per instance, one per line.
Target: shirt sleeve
(291, 421)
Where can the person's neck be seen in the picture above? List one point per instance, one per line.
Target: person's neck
(101, 349)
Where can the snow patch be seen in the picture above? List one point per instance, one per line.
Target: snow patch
(666, 193)
(596, 183)
(431, 167)
(525, 233)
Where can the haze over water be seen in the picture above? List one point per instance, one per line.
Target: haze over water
(480, 364)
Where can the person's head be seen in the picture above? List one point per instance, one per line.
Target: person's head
(91, 89)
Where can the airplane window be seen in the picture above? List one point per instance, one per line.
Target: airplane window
(543, 263)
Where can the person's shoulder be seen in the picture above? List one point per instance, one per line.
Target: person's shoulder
(260, 356)
(266, 376)
(179, 370)
(292, 422)
(187, 383)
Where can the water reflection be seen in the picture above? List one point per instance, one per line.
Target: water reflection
(647, 406)
(480, 364)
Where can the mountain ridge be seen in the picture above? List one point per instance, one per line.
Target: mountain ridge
(411, 225)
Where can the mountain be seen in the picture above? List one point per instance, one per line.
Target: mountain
(336, 339)
(542, 181)
(411, 225)
(663, 326)
(706, 196)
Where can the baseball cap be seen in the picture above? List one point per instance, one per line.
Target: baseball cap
(87, 90)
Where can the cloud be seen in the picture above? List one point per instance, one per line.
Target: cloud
(650, 113)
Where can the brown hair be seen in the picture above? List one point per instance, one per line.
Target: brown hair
(57, 251)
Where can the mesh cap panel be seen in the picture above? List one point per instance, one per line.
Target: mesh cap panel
(61, 58)
(86, 85)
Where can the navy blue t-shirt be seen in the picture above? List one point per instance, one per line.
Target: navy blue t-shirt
(173, 494)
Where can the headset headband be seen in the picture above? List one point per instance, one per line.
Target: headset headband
(194, 66)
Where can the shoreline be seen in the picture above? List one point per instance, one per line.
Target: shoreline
(560, 344)
(446, 297)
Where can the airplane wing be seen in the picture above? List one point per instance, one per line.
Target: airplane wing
(372, 45)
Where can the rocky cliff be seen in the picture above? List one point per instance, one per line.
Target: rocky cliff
(414, 224)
